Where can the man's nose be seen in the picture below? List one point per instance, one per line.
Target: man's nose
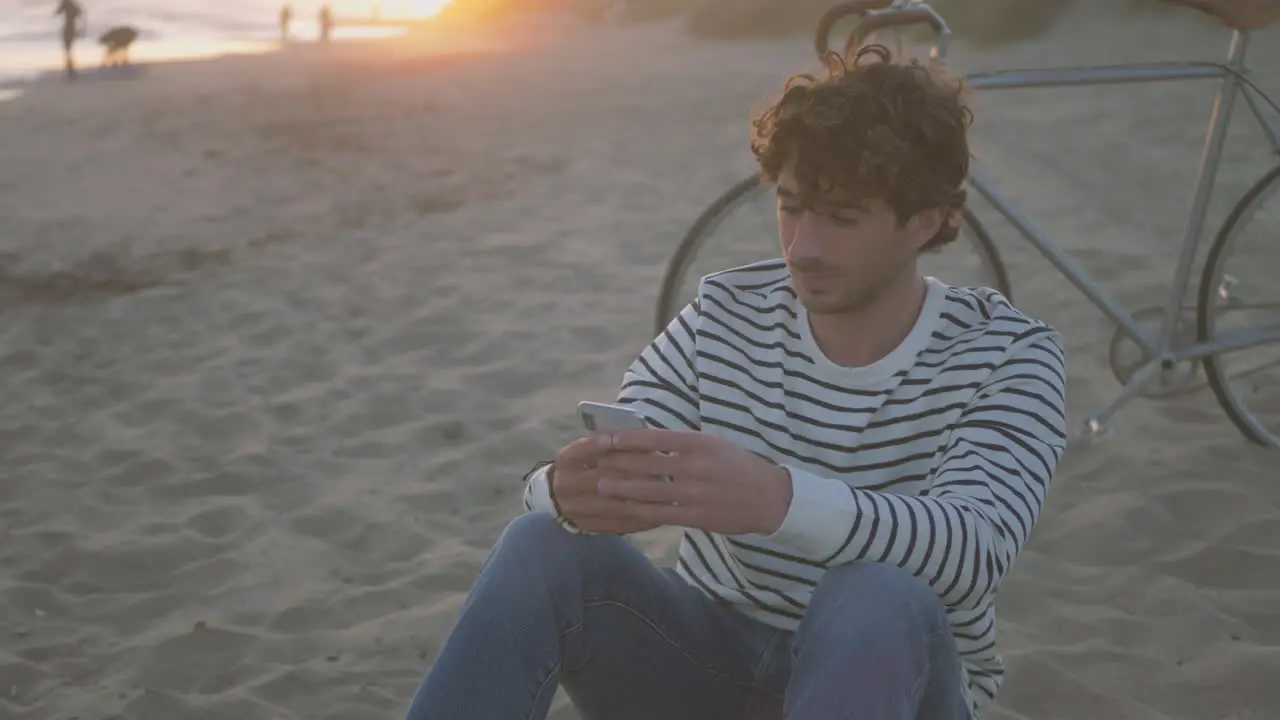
(805, 238)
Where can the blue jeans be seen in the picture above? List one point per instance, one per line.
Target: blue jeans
(631, 641)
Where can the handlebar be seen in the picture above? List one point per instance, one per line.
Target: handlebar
(876, 15)
(836, 13)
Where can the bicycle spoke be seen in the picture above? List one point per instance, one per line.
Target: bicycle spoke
(1240, 308)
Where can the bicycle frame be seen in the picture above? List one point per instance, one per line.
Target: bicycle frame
(1160, 349)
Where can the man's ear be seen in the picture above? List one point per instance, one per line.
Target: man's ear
(925, 224)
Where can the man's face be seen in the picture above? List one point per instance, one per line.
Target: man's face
(843, 255)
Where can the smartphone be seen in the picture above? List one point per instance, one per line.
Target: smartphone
(598, 417)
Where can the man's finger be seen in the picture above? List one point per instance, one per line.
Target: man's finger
(582, 451)
(661, 514)
(597, 507)
(643, 464)
(655, 440)
(644, 490)
(585, 486)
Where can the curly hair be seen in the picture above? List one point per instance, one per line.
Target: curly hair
(874, 128)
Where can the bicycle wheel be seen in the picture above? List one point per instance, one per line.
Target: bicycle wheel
(1239, 293)
(747, 214)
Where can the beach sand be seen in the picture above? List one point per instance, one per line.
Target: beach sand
(280, 335)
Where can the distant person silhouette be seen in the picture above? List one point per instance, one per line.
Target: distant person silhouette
(72, 27)
(326, 22)
(286, 17)
(115, 43)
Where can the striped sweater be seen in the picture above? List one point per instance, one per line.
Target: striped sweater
(936, 458)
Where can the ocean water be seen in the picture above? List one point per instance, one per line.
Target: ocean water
(30, 32)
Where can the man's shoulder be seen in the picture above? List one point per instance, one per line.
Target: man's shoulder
(759, 287)
(985, 314)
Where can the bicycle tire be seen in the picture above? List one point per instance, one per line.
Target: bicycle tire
(669, 302)
(1216, 372)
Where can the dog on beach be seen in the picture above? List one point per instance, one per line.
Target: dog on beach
(115, 43)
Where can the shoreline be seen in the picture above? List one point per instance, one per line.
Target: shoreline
(350, 42)
(33, 68)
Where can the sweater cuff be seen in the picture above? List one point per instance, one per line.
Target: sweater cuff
(540, 500)
(820, 516)
(540, 492)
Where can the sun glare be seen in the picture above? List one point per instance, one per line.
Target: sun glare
(426, 8)
(404, 9)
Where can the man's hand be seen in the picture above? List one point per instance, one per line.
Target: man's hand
(717, 486)
(575, 493)
(1240, 14)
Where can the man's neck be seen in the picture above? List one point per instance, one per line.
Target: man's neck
(860, 338)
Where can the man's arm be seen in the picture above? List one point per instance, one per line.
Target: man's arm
(987, 490)
(1239, 14)
(661, 385)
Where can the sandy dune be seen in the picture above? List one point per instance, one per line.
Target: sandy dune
(279, 336)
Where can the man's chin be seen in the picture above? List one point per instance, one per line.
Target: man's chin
(823, 305)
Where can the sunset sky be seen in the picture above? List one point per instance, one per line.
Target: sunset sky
(392, 8)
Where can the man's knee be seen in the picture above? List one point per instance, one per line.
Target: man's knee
(536, 541)
(533, 528)
(868, 595)
(534, 535)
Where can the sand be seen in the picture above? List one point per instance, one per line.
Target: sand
(279, 336)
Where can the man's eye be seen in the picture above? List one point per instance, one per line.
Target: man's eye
(790, 209)
(844, 221)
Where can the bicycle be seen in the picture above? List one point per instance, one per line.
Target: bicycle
(1169, 359)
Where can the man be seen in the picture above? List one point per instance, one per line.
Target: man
(72, 27)
(857, 453)
(325, 22)
(286, 17)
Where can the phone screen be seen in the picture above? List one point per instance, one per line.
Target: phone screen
(598, 417)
